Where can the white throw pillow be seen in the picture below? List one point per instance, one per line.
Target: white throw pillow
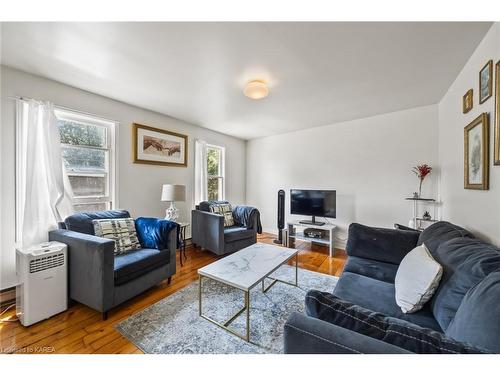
(417, 279)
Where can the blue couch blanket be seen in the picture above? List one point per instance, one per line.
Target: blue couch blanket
(246, 216)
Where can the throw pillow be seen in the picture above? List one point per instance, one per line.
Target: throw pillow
(406, 335)
(122, 231)
(417, 278)
(225, 210)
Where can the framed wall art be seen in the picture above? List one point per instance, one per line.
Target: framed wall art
(476, 142)
(496, 153)
(158, 146)
(486, 82)
(468, 101)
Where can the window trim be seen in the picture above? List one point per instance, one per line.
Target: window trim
(111, 147)
(222, 168)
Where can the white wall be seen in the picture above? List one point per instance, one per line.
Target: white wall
(138, 185)
(368, 162)
(476, 210)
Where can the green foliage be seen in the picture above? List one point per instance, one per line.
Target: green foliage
(80, 158)
(213, 189)
(213, 160)
(213, 156)
(73, 133)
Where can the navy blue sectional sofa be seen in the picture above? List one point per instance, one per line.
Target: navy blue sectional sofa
(361, 316)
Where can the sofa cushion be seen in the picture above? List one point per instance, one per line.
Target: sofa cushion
(205, 205)
(236, 233)
(379, 296)
(82, 221)
(377, 270)
(380, 244)
(406, 335)
(441, 232)
(465, 263)
(477, 320)
(122, 231)
(135, 263)
(417, 279)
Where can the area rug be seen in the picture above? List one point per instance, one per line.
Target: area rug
(172, 325)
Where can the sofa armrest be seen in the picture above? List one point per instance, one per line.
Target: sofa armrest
(381, 244)
(207, 229)
(91, 267)
(306, 335)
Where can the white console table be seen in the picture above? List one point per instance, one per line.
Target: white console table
(292, 233)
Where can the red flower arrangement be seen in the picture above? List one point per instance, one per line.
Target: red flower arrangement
(422, 171)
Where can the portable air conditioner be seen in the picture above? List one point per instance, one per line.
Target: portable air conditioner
(43, 280)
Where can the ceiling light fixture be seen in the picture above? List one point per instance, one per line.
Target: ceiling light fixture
(256, 90)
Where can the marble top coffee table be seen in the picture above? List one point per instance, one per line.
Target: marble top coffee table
(244, 270)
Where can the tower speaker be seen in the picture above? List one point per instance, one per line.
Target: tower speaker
(281, 216)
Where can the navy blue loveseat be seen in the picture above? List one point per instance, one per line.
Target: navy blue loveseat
(361, 316)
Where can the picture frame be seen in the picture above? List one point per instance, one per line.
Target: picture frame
(486, 82)
(496, 152)
(158, 146)
(476, 148)
(468, 101)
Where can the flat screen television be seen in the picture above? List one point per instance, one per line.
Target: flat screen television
(322, 203)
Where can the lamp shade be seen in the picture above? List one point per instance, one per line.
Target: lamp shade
(173, 193)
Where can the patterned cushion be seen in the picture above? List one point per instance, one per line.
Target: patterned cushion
(122, 231)
(225, 210)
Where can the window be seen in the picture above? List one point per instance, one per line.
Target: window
(88, 154)
(215, 172)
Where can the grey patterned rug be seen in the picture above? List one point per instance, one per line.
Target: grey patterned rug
(172, 325)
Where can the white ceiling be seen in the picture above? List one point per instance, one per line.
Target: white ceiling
(318, 73)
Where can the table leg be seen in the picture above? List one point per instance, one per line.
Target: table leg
(184, 242)
(199, 295)
(331, 244)
(247, 304)
(297, 269)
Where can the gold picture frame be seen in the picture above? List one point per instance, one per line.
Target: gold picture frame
(158, 146)
(468, 101)
(476, 148)
(486, 82)
(496, 152)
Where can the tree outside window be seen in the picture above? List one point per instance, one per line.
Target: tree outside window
(215, 175)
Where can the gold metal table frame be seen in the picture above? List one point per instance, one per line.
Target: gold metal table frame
(246, 307)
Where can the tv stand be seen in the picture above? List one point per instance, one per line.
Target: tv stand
(312, 222)
(292, 234)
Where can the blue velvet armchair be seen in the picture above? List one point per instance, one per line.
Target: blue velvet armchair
(101, 280)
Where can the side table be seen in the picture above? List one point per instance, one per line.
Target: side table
(182, 235)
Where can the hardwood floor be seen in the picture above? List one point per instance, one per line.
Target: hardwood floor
(82, 330)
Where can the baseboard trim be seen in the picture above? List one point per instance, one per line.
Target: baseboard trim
(7, 296)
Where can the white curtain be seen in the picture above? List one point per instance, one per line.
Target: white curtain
(200, 172)
(44, 192)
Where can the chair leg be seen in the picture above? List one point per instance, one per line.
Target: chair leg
(105, 315)
(169, 280)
